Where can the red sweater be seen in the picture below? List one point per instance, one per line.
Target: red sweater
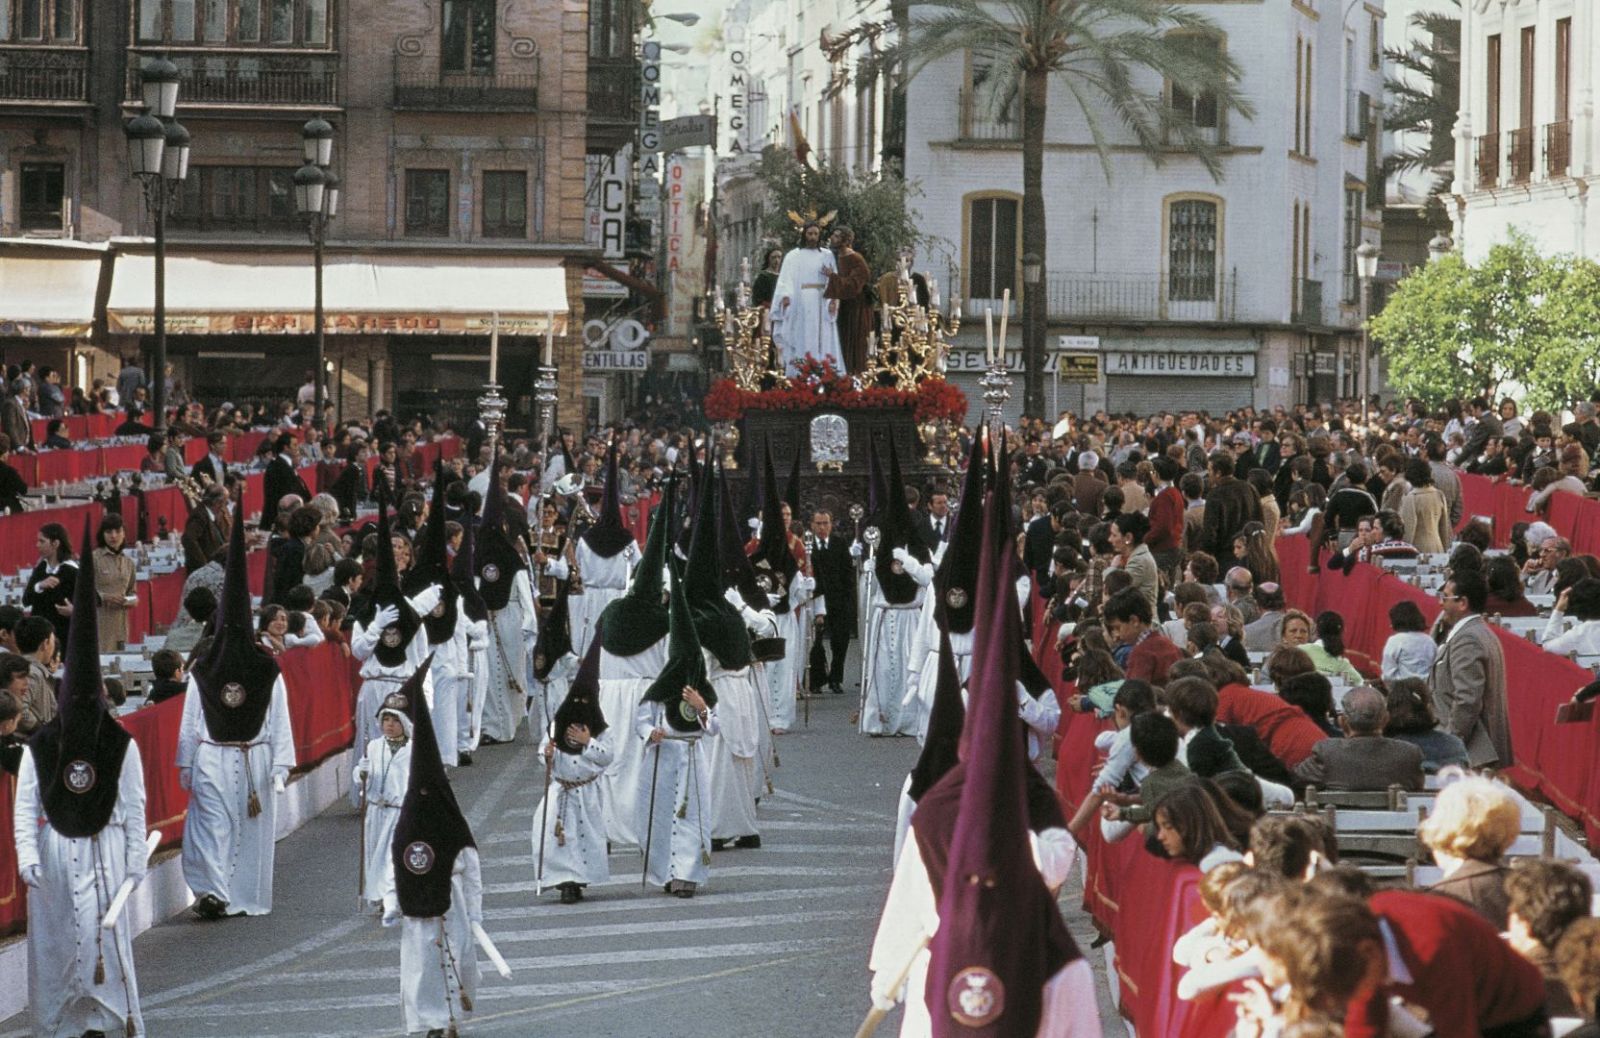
(1166, 520)
(1285, 728)
(1462, 973)
(1151, 658)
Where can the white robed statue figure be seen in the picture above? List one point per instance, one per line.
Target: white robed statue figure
(803, 321)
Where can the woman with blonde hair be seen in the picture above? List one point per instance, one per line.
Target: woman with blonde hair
(1473, 823)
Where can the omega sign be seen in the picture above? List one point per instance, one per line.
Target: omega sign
(1223, 365)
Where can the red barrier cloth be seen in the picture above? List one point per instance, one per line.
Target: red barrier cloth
(13, 892)
(155, 729)
(322, 701)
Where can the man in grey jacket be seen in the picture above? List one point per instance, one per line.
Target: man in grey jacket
(1469, 675)
(1365, 759)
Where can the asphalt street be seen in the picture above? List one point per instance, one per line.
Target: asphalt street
(775, 945)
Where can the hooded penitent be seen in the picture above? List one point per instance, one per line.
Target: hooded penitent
(737, 571)
(941, 749)
(555, 635)
(897, 586)
(390, 649)
(791, 493)
(1001, 937)
(235, 677)
(432, 566)
(78, 754)
(686, 665)
(608, 535)
(431, 831)
(497, 560)
(399, 704)
(639, 619)
(718, 625)
(461, 575)
(774, 563)
(689, 502)
(956, 583)
(582, 705)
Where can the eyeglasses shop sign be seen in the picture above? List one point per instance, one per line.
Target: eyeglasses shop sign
(1214, 365)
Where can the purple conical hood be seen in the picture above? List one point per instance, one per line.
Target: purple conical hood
(608, 535)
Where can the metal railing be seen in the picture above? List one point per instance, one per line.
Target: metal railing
(1519, 147)
(1309, 306)
(418, 88)
(1487, 160)
(49, 74)
(1146, 297)
(614, 89)
(981, 122)
(1557, 149)
(238, 77)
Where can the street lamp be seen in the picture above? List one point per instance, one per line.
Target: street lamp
(1366, 270)
(1440, 246)
(316, 197)
(686, 18)
(158, 156)
(677, 48)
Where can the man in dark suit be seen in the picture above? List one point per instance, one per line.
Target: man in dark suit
(1088, 486)
(1488, 428)
(14, 421)
(1267, 454)
(1230, 503)
(281, 479)
(934, 525)
(1469, 674)
(206, 530)
(213, 466)
(1364, 759)
(835, 603)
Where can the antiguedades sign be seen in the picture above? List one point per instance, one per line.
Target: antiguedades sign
(1171, 362)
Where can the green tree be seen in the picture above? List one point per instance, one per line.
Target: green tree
(876, 206)
(1519, 322)
(1425, 93)
(1099, 51)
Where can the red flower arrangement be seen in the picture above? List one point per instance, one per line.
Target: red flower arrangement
(819, 384)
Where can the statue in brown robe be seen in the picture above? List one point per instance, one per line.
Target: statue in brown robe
(848, 285)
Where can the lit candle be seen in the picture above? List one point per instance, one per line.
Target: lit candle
(766, 320)
(933, 293)
(744, 269)
(549, 336)
(1005, 319)
(494, 346)
(988, 334)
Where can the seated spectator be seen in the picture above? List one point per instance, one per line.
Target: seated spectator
(1473, 822)
(1411, 718)
(1155, 745)
(36, 641)
(1410, 650)
(1582, 600)
(1289, 735)
(186, 632)
(1264, 633)
(170, 680)
(116, 692)
(1578, 963)
(1296, 629)
(1539, 572)
(1327, 652)
(10, 616)
(155, 451)
(1569, 477)
(13, 488)
(1545, 898)
(1506, 596)
(1240, 585)
(1365, 759)
(273, 629)
(1202, 569)
(1146, 653)
(1313, 694)
(55, 435)
(1189, 827)
(1184, 596)
(1192, 705)
(1294, 847)
(10, 743)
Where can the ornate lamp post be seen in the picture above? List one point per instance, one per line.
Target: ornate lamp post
(1366, 270)
(158, 156)
(316, 197)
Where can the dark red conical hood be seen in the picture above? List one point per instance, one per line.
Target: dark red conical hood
(957, 580)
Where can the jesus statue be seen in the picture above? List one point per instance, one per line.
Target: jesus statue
(803, 320)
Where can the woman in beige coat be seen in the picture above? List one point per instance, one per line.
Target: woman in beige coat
(1424, 510)
(115, 580)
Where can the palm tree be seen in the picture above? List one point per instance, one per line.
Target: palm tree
(1425, 93)
(1098, 50)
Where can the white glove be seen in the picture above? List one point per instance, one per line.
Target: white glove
(855, 549)
(902, 556)
(278, 783)
(391, 914)
(185, 778)
(477, 644)
(731, 596)
(32, 875)
(883, 1000)
(773, 600)
(426, 599)
(386, 617)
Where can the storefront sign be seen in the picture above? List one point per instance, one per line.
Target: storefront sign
(616, 360)
(335, 324)
(1171, 362)
(1078, 368)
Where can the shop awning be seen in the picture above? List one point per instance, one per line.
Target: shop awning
(266, 294)
(48, 290)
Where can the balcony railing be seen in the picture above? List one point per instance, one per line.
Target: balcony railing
(1557, 149)
(1357, 114)
(248, 78)
(1519, 148)
(613, 89)
(1309, 310)
(1141, 297)
(981, 122)
(50, 75)
(416, 89)
(1487, 160)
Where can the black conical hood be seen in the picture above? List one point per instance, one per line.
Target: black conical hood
(390, 648)
(432, 566)
(737, 571)
(875, 493)
(554, 640)
(431, 832)
(957, 581)
(791, 493)
(78, 754)
(686, 665)
(897, 531)
(461, 574)
(608, 535)
(941, 748)
(640, 618)
(690, 502)
(582, 704)
(236, 675)
(774, 562)
(495, 557)
(718, 624)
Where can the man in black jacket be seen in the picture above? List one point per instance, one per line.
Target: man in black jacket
(1488, 428)
(835, 603)
(1230, 503)
(281, 479)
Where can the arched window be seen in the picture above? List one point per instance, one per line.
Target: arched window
(1193, 247)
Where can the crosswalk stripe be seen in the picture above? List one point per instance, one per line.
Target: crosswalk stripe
(736, 871)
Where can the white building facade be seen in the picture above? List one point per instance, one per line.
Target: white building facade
(1525, 139)
(1245, 288)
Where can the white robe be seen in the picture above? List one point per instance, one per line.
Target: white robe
(549, 693)
(604, 581)
(734, 771)
(78, 878)
(911, 915)
(680, 842)
(512, 631)
(891, 644)
(785, 676)
(623, 682)
(469, 705)
(923, 677)
(572, 816)
(378, 682)
(438, 955)
(227, 853)
(451, 675)
(805, 327)
(387, 772)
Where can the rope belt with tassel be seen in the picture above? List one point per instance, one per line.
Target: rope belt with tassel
(567, 789)
(254, 810)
